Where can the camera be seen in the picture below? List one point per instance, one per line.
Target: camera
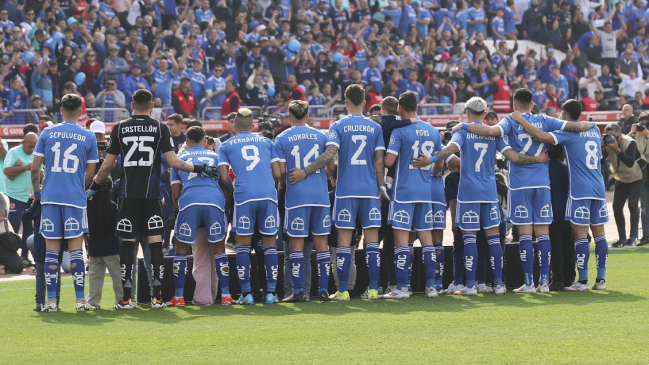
(265, 119)
(210, 140)
(610, 138)
(448, 134)
(641, 126)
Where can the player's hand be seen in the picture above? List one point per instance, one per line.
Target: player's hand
(543, 157)
(517, 116)
(419, 162)
(456, 128)
(90, 193)
(296, 175)
(384, 192)
(210, 171)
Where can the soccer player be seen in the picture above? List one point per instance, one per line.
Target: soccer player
(529, 200)
(307, 202)
(141, 140)
(252, 159)
(412, 199)
(477, 199)
(359, 144)
(586, 204)
(189, 192)
(70, 155)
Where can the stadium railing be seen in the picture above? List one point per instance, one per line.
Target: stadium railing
(435, 108)
(320, 111)
(22, 116)
(211, 113)
(108, 115)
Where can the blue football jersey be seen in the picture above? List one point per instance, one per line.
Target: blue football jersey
(250, 157)
(357, 138)
(478, 176)
(412, 185)
(67, 148)
(299, 146)
(583, 151)
(533, 175)
(196, 187)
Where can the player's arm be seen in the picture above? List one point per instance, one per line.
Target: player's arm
(176, 190)
(379, 167)
(480, 129)
(329, 169)
(282, 173)
(298, 175)
(104, 171)
(179, 164)
(453, 163)
(533, 131)
(277, 172)
(225, 180)
(390, 159)
(36, 175)
(578, 126)
(424, 160)
(523, 159)
(438, 168)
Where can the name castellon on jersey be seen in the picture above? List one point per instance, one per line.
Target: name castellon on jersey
(140, 129)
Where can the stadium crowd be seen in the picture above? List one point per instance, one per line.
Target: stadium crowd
(205, 58)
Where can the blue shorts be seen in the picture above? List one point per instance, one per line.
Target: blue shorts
(473, 216)
(529, 206)
(262, 212)
(299, 221)
(367, 210)
(192, 217)
(63, 221)
(417, 216)
(585, 212)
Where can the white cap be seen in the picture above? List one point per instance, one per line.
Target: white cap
(48, 124)
(261, 27)
(98, 127)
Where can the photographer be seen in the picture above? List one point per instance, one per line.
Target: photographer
(640, 134)
(626, 168)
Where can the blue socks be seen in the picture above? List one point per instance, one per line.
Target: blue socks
(582, 254)
(272, 265)
(601, 255)
(402, 262)
(429, 258)
(297, 261)
(78, 270)
(324, 265)
(496, 258)
(470, 258)
(223, 272)
(526, 249)
(343, 260)
(411, 249)
(373, 259)
(180, 272)
(458, 259)
(243, 267)
(51, 271)
(545, 248)
(440, 256)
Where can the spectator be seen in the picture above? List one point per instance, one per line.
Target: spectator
(70, 74)
(591, 82)
(257, 90)
(588, 104)
(626, 169)
(116, 66)
(111, 98)
(134, 82)
(183, 100)
(477, 18)
(17, 168)
(630, 86)
(628, 63)
(231, 132)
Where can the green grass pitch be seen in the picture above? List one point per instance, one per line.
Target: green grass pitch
(575, 328)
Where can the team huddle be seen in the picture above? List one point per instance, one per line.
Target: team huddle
(301, 161)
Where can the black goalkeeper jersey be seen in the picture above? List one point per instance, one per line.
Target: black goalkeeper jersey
(140, 140)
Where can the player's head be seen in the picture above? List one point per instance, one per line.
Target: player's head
(407, 103)
(30, 128)
(298, 111)
(174, 122)
(71, 107)
(196, 137)
(389, 106)
(475, 109)
(571, 110)
(354, 97)
(523, 100)
(142, 102)
(29, 142)
(243, 120)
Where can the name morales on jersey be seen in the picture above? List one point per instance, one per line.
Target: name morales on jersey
(250, 139)
(475, 136)
(297, 137)
(140, 129)
(68, 135)
(358, 128)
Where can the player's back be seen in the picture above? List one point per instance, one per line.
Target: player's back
(197, 189)
(250, 157)
(532, 175)
(67, 148)
(411, 184)
(357, 138)
(477, 176)
(140, 140)
(583, 152)
(299, 146)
